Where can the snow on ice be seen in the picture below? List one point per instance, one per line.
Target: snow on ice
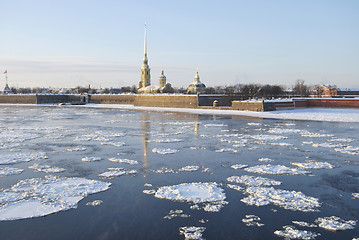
(21, 157)
(253, 181)
(275, 169)
(5, 171)
(164, 151)
(334, 223)
(46, 168)
(291, 232)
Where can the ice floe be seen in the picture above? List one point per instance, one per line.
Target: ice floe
(239, 166)
(235, 187)
(265, 160)
(46, 168)
(313, 165)
(252, 220)
(164, 151)
(176, 213)
(167, 140)
(149, 191)
(123, 160)
(77, 149)
(275, 169)
(215, 125)
(115, 144)
(348, 150)
(21, 157)
(5, 171)
(253, 181)
(91, 159)
(227, 150)
(196, 192)
(115, 172)
(291, 232)
(291, 200)
(164, 170)
(189, 168)
(334, 223)
(192, 232)
(304, 224)
(355, 195)
(94, 203)
(38, 197)
(267, 137)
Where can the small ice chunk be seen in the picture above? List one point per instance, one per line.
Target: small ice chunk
(304, 224)
(196, 192)
(313, 165)
(227, 150)
(275, 169)
(209, 207)
(113, 172)
(91, 159)
(167, 140)
(164, 151)
(116, 144)
(251, 200)
(334, 223)
(291, 232)
(46, 168)
(252, 220)
(253, 181)
(163, 170)
(239, 166)
(176, 213)
(348, 150)
(235, 187)
(267, 137)
(355, 195)
(147, 185)
(94, 203)
(5, 171)
(77, 149)
(122, 160)
(265, 160)
(189, 168)
(192, 232)
(149, 191)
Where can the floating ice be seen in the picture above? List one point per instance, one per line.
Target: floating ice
(227, 150)
(149, 191)
(334, 223)
(91, 159)
(147, 185)
(164, 170)
(253, 181)
(189, 168)
(265, 160)
(46, 168)
(304, 224)
(275, 169)
(38, 197)
(94, 203)
(235, 187)
(192, 192)
(21, 157)
(254, 124)
(291, 232)
(315, 135)
(327, 145)
(164, 151)
(168, 140)
(197, 148)
(292, 200)
(348, 150)
(252, 220)
(267, 137)
(5, 171)
(116, 144)
(209, 207)
(355, 195)
(123, 160)
(115, 172)
(215, 125)
(313, 165)
(239, 166)
(192, 232)
(284, 130)
(282, 144)
(176, 213)
(77, 149)
(251, 200)
(341, 140)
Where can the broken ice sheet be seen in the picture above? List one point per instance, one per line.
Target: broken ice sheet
(355, 195)
(265, 160)
(252, 220)
(167, 140)
(348, 150)
(176, 213)
(38, 197)
(313, 165)
(304, 224)
(94, 203)
(334, 223)
(5, 171)
(91, 159)
(149, 191)
(253, 181)
(77, 149)
(227, 150)
(235, 187)
(122, 160)
(291, 232)
(21, 157)
(291, 200)
(115, 172)
(239, 166)
(275, 169)
(164, 151)
(164, 170)
(192, 232)
(46, 168)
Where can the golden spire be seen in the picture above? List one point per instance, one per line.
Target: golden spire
(145, 42)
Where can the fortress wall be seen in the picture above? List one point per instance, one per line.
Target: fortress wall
(207, 100)
(112, 99)
(327, 102)
(175, 101)
(18, 99)
(248, 106)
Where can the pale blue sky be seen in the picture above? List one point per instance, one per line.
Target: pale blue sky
(69, 43)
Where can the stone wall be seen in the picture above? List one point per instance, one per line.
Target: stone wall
(18, 99)
(327, 102)
(175, 101)
(253, 106)
(112, 99)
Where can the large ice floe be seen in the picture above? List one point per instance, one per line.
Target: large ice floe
(291, 200)
(116, 172)
(38, 197)
(334, 223)
(275, 169)
(291, 232)
(313, 165)
(192, 232)
(46, 168)
(253, 181)
(5, 171)
(164, 151)
(123, 160)
(21, 157)
(192, 192)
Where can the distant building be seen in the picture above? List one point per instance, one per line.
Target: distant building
(7, 89)
(197, 86)
(328, 91)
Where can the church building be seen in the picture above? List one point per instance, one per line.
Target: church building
(197, 86)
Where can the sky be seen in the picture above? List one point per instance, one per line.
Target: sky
(69, 43)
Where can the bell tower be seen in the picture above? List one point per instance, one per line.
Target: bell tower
(145, 69)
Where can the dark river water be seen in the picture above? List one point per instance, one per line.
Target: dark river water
(213, 143)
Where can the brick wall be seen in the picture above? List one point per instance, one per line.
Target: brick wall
(175, 101)
(112, 99)
(16, 99)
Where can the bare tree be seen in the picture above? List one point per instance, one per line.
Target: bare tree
(300, 88)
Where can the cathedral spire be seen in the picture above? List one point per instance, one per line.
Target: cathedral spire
(145, 41)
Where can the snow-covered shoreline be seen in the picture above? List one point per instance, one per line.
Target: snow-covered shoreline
(309, 114)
